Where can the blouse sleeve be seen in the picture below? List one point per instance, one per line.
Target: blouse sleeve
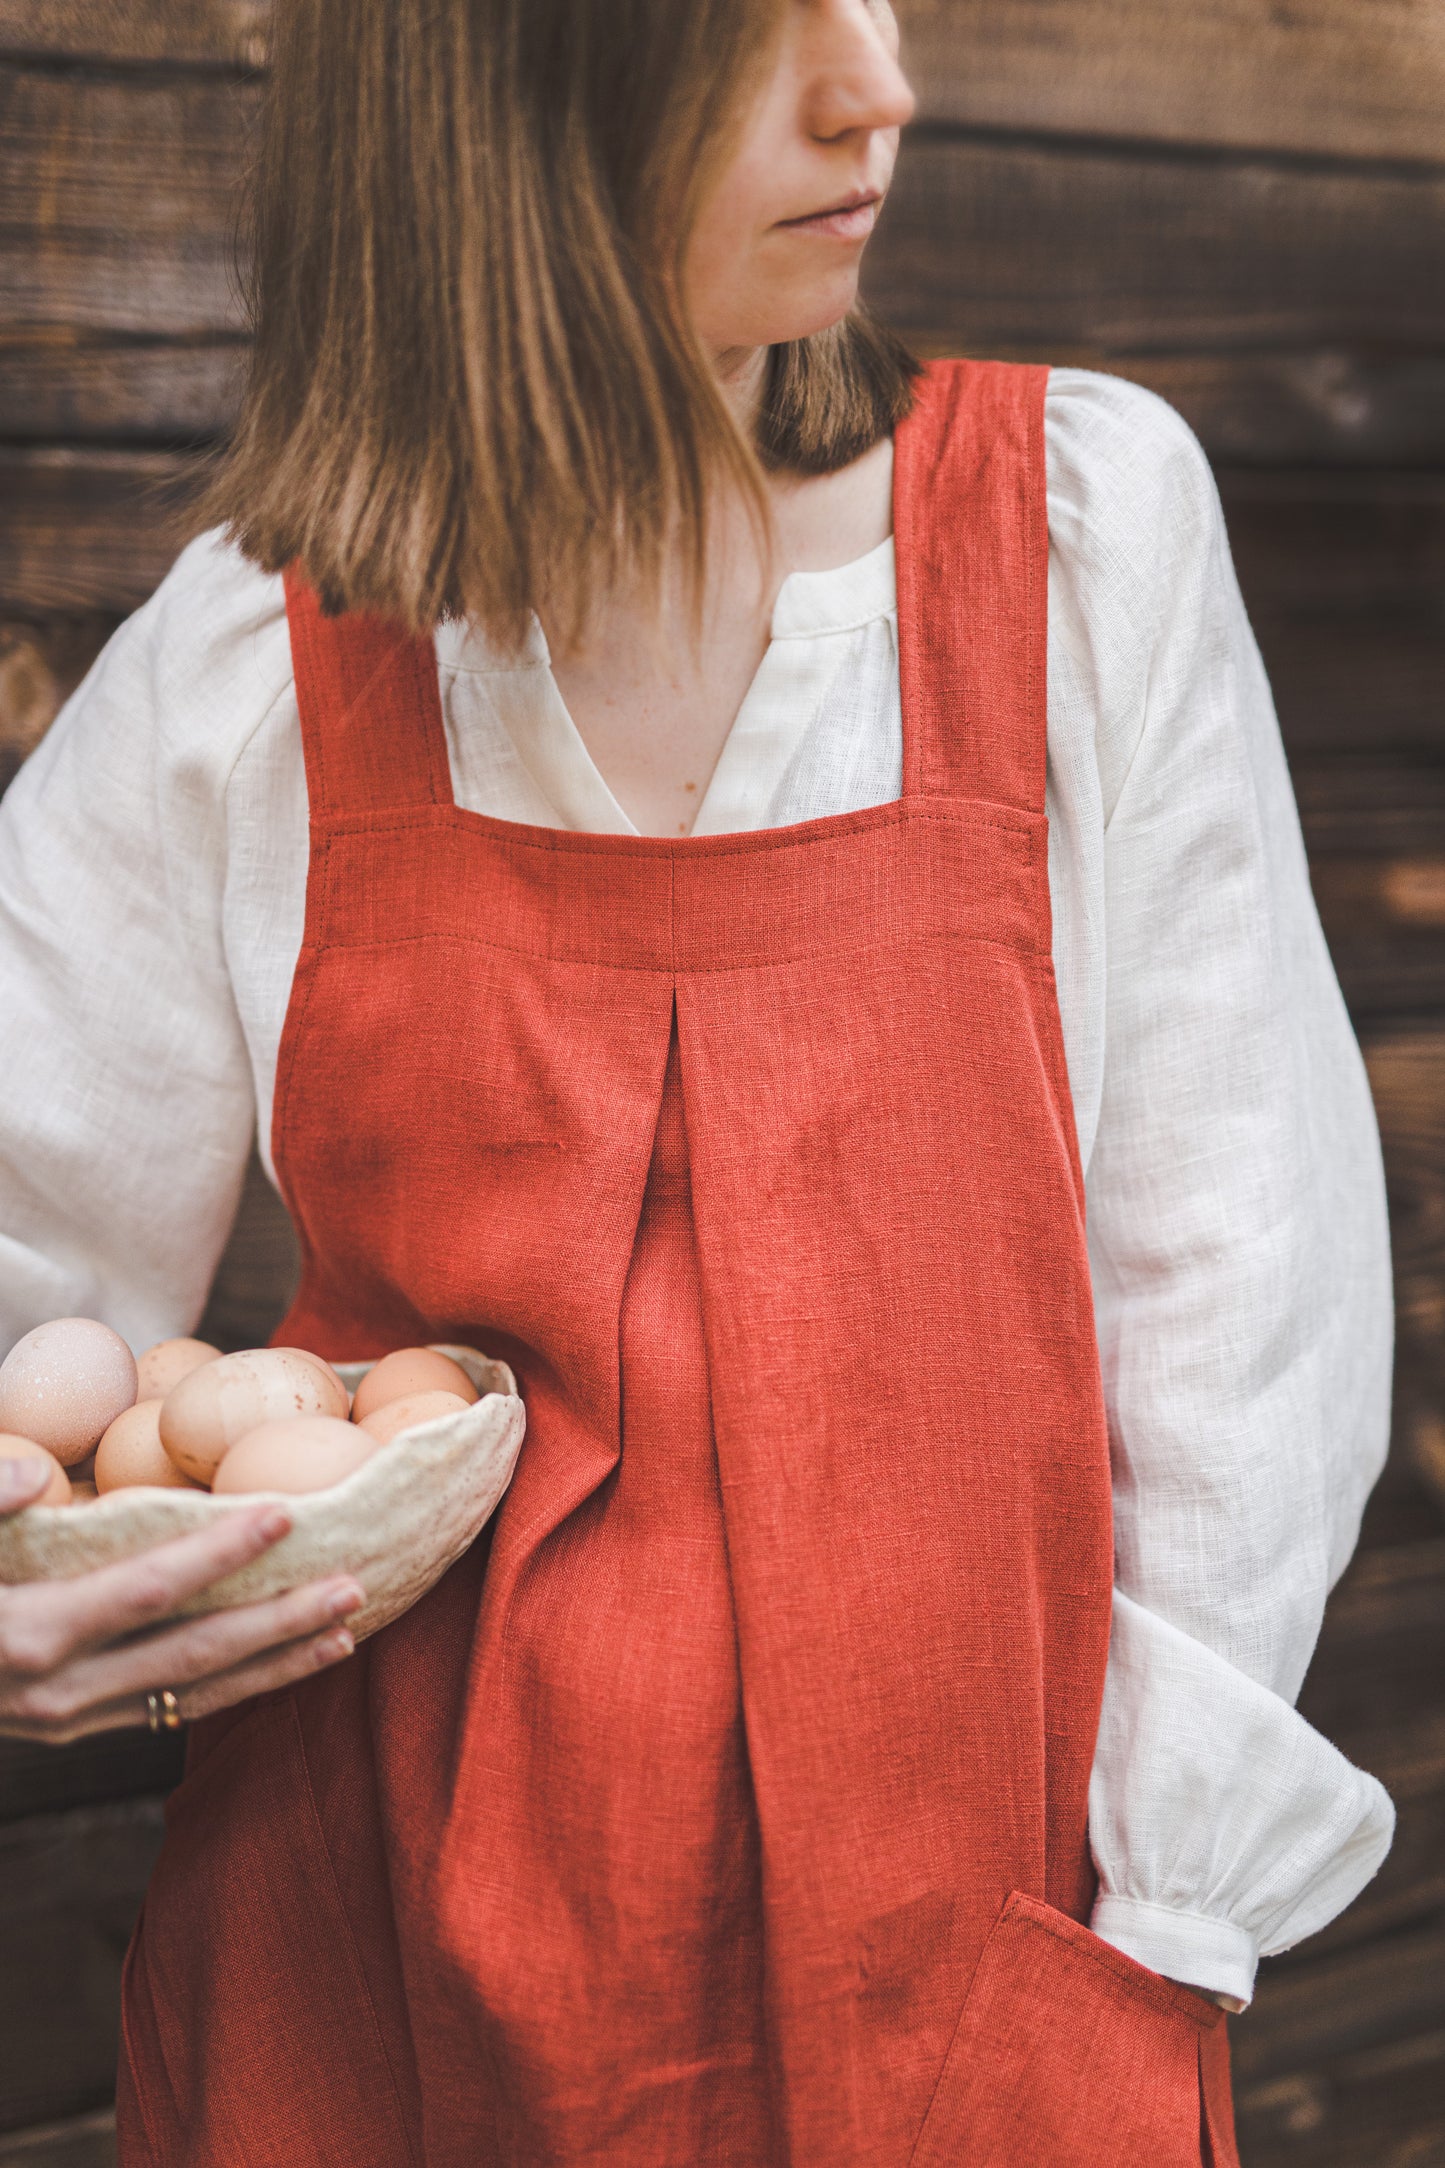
(1241, 1269)
(126, 1102)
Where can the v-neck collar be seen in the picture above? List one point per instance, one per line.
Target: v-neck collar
(771, 720)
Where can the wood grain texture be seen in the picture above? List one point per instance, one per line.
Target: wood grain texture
(218, 33)
(1344, 577)
(118, 200)
(1376, 2107)
(1334, 77)
(990, 243)
(1376, 836)
(1359, 804)
(81, 2141)
(1384, 918)
(1407, 1077)
(89, 532)
(41, 663)
(70, 1886)
(58, 382)
(1306, 2013)
(1326, 407)
(1380, 1665)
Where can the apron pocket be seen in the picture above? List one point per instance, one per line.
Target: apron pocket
(250, 2033)
(1069, 2054)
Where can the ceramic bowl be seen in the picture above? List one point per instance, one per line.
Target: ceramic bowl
(397, 1523)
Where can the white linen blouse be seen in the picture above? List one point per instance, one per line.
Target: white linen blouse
(153, 859)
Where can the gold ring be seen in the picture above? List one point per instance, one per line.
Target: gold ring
(163, 1711)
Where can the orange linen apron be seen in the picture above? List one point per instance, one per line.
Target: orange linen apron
(728, 1803)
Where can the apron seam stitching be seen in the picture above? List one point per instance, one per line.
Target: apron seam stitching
(1025, 952)
(1138, 1990)
(991, 813)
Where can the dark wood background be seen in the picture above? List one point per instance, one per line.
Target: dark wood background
(1238, 202)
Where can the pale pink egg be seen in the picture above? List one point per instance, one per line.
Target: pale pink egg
(203, 1416)
(57, 1490)
(64, 1384)
(410, 1370)
(299, 1453)
(165, 1364)
(131, 1453)
(388, 1421)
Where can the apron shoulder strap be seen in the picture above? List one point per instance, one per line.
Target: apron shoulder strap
(371, 711)
(971, 529)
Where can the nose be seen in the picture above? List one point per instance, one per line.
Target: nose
(856, 82)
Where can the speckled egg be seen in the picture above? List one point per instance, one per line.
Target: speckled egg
(165, 1364)
(64, 1384)
(203, 1416)
(131, 1453)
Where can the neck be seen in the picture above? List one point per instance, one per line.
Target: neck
(740, 371)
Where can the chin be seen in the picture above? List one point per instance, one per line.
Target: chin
(803, 318)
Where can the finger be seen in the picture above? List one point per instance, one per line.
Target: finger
(280, 1667)
(178, 1656)
(63, 1617)
(21, 1482)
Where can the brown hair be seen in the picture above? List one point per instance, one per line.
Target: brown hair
(471, 384)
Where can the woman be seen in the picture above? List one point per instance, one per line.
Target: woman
(670, 1008)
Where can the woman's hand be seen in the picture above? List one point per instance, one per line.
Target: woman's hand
(70, 1662)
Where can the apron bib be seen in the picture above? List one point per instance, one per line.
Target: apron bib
(728, 1802)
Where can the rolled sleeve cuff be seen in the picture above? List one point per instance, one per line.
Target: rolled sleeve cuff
(1184, 1946)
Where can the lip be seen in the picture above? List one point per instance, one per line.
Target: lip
(851, 218)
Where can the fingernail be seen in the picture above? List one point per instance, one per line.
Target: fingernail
(20, 1479)
(335, 1646)
(274, 1522)
(346, 1599)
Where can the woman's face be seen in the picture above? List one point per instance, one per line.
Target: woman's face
(775, 250)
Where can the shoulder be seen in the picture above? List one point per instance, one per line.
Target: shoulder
(186, 681)
(1131, 493)
(1143, 604)
(208, 657)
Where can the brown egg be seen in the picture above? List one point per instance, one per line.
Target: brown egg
(57, 1490)
(82, 1494)
(64, 1383)
(131, 1452)
(385, 1423)
(300, 1453)
(410, 1370)
(165, 1364)
(203, 1416)
(319, 1362)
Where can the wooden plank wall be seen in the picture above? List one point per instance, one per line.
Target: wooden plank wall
(1238, 203)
